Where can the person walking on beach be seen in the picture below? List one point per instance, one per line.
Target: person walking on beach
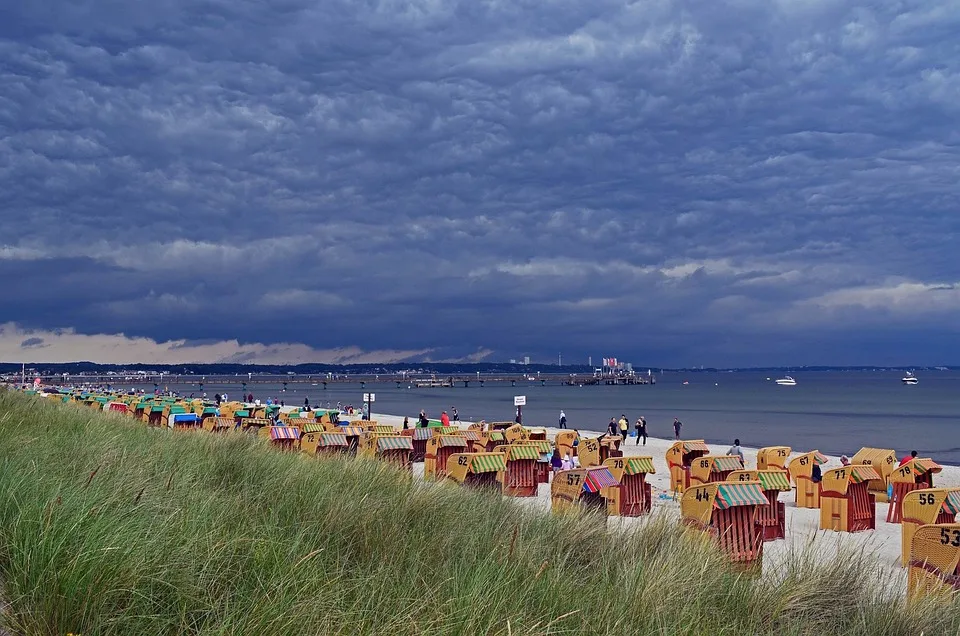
(612, 427)
(444, 419)
(624, 426)
(456, 414)
(676, 428)
(736, 450)
(641, 427)
(406, 422)
(563, 419)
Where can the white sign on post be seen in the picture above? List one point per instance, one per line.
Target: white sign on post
(520, 400)
(369, 397)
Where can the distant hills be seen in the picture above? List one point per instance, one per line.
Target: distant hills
(448, 368)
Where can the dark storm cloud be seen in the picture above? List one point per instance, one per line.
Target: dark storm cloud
(748, 182)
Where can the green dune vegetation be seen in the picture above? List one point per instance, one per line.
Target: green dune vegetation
(109, 527)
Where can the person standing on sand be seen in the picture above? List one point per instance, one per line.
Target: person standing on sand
(624, 426)
(456, 414)
(555, 462)
(907, 458)
(676, 428)
(566, 464)
(612, 427)
(563, 419)
(736, 450)
(444, 419)
(406, 422)
(423, 421)
(641, 427)
(306, 403)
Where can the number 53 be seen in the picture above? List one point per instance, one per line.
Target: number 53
(951, 537)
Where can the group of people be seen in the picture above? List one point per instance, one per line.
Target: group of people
(423, 421)
(621, 427)
(566, 462)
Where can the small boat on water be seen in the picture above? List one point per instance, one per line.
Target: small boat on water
(787, 381)
(910, 379)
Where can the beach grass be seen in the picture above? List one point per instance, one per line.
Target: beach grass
(108, 527)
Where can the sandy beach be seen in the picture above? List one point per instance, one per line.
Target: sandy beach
(802, 524)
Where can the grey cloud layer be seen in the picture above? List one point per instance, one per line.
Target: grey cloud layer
(747, 182)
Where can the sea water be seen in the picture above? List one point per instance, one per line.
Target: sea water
(836, 412)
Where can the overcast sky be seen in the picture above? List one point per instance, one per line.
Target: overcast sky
(672, 182)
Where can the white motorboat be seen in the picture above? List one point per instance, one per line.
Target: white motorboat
(787, 381)
(910, 379)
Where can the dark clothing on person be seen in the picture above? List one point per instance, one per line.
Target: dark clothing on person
(641, 427)
(563, 421)
(816, 476)
(555, 461)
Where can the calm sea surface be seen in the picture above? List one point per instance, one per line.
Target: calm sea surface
(835, 412)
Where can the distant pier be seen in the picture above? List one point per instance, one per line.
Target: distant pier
(611, 380)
